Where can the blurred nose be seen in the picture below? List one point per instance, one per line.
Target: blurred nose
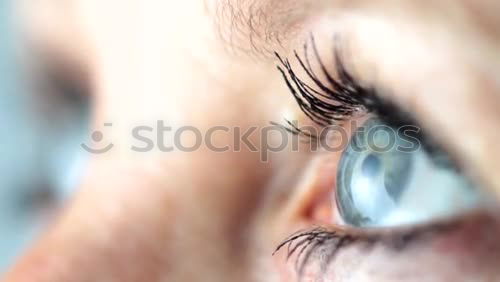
(113, 231)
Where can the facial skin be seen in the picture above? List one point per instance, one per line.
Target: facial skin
(208, 216)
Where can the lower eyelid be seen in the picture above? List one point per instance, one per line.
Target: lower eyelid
(457, 239)
(312, 252)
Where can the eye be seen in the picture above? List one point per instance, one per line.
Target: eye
(388, 178)
(386, 187)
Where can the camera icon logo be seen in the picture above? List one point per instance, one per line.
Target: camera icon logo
(97, 137)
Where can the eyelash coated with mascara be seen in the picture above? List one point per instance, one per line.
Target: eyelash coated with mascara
(341, 98)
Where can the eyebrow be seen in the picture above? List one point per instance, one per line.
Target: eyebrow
(257, 27)
(260, 27)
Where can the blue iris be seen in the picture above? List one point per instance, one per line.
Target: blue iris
(386, 178)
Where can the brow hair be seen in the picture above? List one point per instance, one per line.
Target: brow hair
(260, 27)
(254, 27)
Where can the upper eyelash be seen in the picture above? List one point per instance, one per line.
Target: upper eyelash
(324, 104)
(340, 99)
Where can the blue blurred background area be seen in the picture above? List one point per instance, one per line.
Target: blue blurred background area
(40, 136)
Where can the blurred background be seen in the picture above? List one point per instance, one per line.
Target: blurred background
(44, 119)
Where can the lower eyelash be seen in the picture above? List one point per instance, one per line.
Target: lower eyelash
(306, 243)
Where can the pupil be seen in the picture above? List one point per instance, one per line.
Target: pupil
(371, 166)
(396, 178)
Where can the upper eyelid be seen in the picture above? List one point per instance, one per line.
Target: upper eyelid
(335, 97)
(347, 92)
(322, 103)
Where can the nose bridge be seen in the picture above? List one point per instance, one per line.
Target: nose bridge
(111, 232)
